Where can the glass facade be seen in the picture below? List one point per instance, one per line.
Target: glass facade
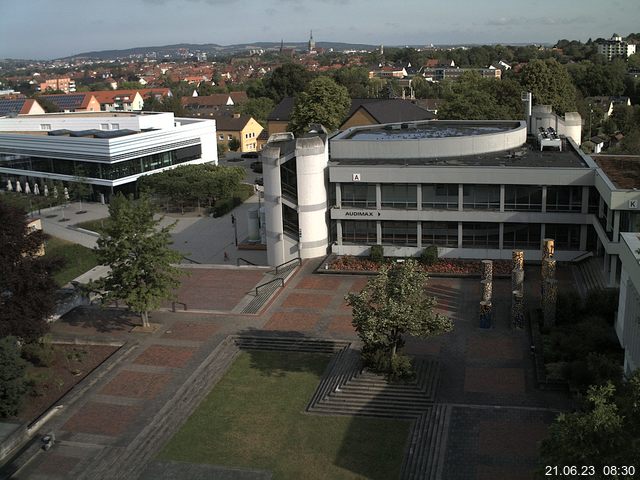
(354, 232)
(290, 221)
(440, 196)
(403, 196)
(521, 235)
(522, 198)
(564, 199)
(567, 237)
(399, 233)
(359, 195)
(481, 197)
(480, 235)
(289, 179)
(442, 234)
(98, 170)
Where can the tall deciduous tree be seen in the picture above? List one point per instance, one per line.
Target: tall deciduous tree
(12, 370)
(137, 251)
(550, 84)
(27, 289)
(393, 304)
(324, 102)
(607, 432)
(286, 81)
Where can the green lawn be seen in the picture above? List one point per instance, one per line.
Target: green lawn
(78, 259)
(254, 418)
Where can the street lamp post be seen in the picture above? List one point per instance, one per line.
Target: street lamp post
(235, 228)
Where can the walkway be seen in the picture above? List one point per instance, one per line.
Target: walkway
(495, 419)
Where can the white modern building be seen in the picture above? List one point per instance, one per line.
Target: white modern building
(112, 150)
(616, 47)
(628, 319)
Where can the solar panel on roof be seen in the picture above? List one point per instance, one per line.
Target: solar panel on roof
(115, 133)
(66, 102)
(85, 133)
(8, 107)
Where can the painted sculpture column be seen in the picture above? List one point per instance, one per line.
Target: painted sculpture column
(486, 283)
(517, 309)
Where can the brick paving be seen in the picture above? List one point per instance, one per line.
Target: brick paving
(165, 356)
(136, 384)
(101, 419)
(487, 368)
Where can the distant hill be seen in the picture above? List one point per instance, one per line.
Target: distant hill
(213, 48)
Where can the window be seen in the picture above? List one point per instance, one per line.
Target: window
(481, 197)
(229, 137)
(480, 235)
(567, 237)
(564, 199)
(521, 235)
(442, 234)
(440, 196)
(45, 126)
(359, 232)
(399, 196)
(360, 195)
(104, 126)
(399, 233)
(522, 198)
(115, 126)
(594, 200)
(221, 137)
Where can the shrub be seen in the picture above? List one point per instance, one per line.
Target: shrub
(401, 369)
(575, 342)
(377, 253)
(39, 353)
(569, 308)
(602, 303)
(429, 255)
(12, 370)
(398, 368)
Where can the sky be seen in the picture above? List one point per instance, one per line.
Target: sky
(46, 29)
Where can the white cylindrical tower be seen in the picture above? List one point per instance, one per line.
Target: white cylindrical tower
(272, 203)
(312, 157)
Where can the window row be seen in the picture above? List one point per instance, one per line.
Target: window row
(474, 234)
(106, 171)
(474, 197)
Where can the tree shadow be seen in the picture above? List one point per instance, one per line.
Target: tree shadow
(102, 320)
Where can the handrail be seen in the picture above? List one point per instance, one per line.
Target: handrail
(286, 263)
(173, 306)
(270, 281)
(244, 260)
(191, 260)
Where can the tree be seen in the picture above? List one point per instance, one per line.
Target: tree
(81, 185)
(472, 97)
(355, 80)
(137, 251)
(27, 289)
(286, 81)
(324, 102)
(258, 108)
(12, 370)
(607, 432)
(234, 144)
(393, 304)
(550, 84)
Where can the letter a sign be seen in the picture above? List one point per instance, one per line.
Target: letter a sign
(355, 177)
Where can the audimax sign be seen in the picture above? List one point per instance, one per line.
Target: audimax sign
(360, 213)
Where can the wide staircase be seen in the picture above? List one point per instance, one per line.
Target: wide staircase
(289, 344)
(274, 279)
(590, 276)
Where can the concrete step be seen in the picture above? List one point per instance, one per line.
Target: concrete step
(372, 411)
(293, 344)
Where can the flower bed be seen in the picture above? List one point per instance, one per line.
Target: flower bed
(442, 266)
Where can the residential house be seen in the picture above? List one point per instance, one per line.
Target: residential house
(615, 47)
(119, 100)
(74, 102)
(212, 105)
(240, 127)
(11, 107)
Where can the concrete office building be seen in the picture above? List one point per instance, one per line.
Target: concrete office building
(111, 149)
(475, 189)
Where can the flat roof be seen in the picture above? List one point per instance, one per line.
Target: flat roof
(528, 155)
(622, 170)
(430, 129)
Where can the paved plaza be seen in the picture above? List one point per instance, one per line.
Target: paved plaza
(498, 416)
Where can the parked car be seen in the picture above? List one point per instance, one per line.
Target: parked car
(250, 155)
(259, 181)
(256, 166)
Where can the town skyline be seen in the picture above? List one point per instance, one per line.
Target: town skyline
(160, 22)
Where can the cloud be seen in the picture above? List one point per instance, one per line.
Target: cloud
(509, 21)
